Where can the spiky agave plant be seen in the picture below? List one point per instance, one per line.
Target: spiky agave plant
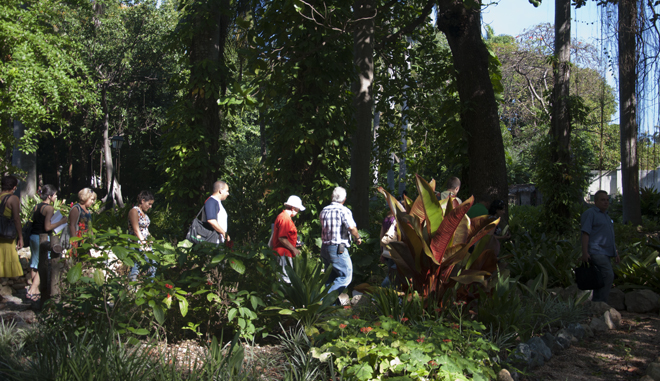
(436, 236)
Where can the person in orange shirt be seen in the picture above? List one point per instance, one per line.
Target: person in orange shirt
(285, 234)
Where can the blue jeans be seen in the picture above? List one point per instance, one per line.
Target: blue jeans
(135, 270)
(342, 267)
(34, 249)
(604, 264)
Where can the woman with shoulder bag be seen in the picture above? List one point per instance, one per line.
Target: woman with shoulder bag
(42, 228)
(10, 265)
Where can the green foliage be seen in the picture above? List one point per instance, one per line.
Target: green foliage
(391, 302)
(44, 78)
(649, 199)
(517, 312)
(188, 278)
(301, 363)
(530, 254)
(104, 355)
(639, 266)
(562, 185)
(306, 298)
(393, 347)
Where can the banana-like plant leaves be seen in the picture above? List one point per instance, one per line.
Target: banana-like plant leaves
(443, 238)
(407, 203)
(471, 276)
(463, 229)
(487, 261)
(478, 224)
(432, 209)
(405, 262)
(392, 202)
(417, 209)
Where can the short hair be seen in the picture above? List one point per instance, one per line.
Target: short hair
(339, 194)
(495, 206)
(453, 182)
(145, 195)
(599, 193)
(219, 185)
(85, 194)
(47, 191)
(9, 182)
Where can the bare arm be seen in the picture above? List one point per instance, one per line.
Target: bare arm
(74, 215)
(15, 213)
(585, 247)
(133, 218)
(49, 211)
(285, 242)
(356, 234)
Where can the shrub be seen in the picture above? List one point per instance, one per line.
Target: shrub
(529, 255)
(639, 266)
(97, 292)
(391, 347)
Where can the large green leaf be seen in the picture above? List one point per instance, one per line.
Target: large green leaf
(159, 313)
(432, 209)
(75, 273)
(445, 234)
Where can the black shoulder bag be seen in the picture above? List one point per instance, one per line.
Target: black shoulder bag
(198, 233)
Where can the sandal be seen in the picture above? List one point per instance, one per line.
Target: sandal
(34, 297)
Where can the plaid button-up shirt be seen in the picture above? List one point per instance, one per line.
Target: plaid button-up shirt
(336, 219)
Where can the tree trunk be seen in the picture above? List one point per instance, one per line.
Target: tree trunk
(114, 189)
(209, 45)
(363, 57)
(461, 24)
(628, 111)
(561, 121)
(26, 162)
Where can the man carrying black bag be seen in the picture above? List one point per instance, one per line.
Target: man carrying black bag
(213, 226)
(598, 245)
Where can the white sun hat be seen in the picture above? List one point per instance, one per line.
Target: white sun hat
(296, 202)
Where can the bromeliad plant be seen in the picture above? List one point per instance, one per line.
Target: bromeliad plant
(436, 237)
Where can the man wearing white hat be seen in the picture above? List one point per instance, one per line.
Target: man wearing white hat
(285, 234)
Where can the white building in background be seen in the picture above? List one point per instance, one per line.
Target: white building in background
(610, 181)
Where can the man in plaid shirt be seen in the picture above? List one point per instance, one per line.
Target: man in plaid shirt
(337, 222)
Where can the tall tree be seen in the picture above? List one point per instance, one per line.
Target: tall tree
(628, 30)
(364, 14)
(461, 23)
(560, 130)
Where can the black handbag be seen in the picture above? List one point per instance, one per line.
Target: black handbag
(7, 226)
(588, 276)
(198, 233)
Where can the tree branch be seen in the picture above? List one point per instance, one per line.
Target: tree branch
(408, 28)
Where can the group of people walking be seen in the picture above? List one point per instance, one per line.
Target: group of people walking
(337, 229)
(44, 226)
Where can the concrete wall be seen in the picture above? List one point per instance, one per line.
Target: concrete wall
(611, 181)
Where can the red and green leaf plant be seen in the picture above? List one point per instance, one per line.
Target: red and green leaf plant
(435, 240)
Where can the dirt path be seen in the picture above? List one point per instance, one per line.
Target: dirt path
(622, 354)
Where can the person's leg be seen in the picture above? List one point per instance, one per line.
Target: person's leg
(344, 269)
(284, 261)
(328, 255)
(34, 265)
(151, 271)
(604, 264)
